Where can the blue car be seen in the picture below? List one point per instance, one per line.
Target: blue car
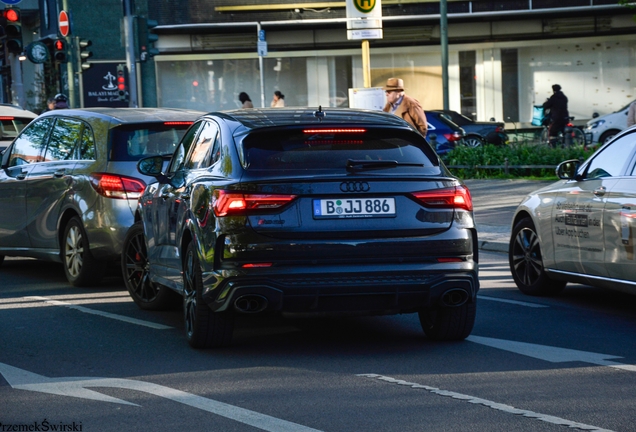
(443, 134)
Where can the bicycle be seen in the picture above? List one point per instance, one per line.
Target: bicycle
(571, 136)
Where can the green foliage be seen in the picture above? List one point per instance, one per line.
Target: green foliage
(518, 155)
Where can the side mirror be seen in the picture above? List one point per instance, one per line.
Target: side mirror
(595, 115)
(567, 170)
(151, 166)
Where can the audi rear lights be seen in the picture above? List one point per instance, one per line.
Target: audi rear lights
(227, 203)
(116, 186)
(457, 197)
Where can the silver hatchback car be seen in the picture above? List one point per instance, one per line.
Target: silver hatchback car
(69, 183)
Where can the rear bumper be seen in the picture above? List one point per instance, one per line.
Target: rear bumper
(347, 292)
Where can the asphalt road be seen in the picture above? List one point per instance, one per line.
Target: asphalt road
(90, 360)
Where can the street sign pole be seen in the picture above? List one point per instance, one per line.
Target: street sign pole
(261, 52)
(130, 54)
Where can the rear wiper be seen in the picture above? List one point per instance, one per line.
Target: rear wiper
(361, 165)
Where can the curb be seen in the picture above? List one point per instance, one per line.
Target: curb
(493, 246)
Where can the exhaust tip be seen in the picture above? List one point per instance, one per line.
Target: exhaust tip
(250, 304)
(454, 297)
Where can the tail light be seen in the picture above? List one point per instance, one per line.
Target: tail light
(457, 197)
(452, 137)
(227, 203)
(116, 186)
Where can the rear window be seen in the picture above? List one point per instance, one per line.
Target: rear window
(319, 149)
(132, 142)
(11, 126)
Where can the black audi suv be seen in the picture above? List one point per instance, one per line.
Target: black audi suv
(303, 211)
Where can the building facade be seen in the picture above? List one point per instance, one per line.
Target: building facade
(503, 56)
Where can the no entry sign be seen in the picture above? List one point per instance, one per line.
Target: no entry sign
(64, 24)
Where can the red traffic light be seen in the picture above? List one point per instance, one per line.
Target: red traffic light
(121, 82)
(11, 15)
(59, 45)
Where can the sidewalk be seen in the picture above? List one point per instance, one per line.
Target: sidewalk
(494, 204)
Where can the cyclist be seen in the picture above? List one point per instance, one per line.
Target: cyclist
(559, 115)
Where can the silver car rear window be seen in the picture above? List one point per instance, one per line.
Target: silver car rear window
(131, 142)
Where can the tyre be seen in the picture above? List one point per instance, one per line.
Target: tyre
(607, 135)
(204, 328)
(578, 138)
(80, 267)
(526, 262)
(135, 270)
(473, 141)
(448, 323)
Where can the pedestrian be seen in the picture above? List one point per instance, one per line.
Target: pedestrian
(278, 100)
(61, 101)
(631, 115)
(50, 104)
(559, 115)
(404, 106)
(245, 100)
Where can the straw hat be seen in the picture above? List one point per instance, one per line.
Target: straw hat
(394, 84)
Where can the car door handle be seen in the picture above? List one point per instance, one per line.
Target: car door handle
(60, 173)
(600, 191)
(21, 176)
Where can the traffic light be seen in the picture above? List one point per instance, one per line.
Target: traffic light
(84, 54)
(59, 51)
(146, 39)
(13, 30)
(122, 86)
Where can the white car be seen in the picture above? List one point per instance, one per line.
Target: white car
(12, 120)
(602, 129)
(582, 228)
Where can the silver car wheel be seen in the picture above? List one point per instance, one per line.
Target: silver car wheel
(526, 257)
(73, 251)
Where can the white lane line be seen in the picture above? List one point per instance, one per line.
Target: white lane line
(100, 313)
(79, 387)
(551, 353)
(490, 404)
(520, 303)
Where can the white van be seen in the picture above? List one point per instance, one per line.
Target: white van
(602, 129)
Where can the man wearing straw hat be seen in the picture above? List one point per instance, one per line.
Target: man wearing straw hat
(404, 106)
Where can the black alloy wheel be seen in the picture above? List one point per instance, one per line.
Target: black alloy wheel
(204, 328)
(526, 262)
(135, 270)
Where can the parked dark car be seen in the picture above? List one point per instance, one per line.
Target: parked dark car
(477, 132)
(442, 133)
(69, 184)
(295, 211)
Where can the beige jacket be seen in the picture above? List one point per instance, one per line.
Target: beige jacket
(411, 111)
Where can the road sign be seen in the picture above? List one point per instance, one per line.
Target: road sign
(11, 2)
(261, 48)
(64, 24)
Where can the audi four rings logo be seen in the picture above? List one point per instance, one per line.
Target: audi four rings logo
(354, 186)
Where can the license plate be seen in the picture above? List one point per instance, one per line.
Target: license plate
(344, 208)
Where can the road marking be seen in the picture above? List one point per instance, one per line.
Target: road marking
(100, 313)
(76, 387)
(520, 303)
(552, 354)
(490, 404)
